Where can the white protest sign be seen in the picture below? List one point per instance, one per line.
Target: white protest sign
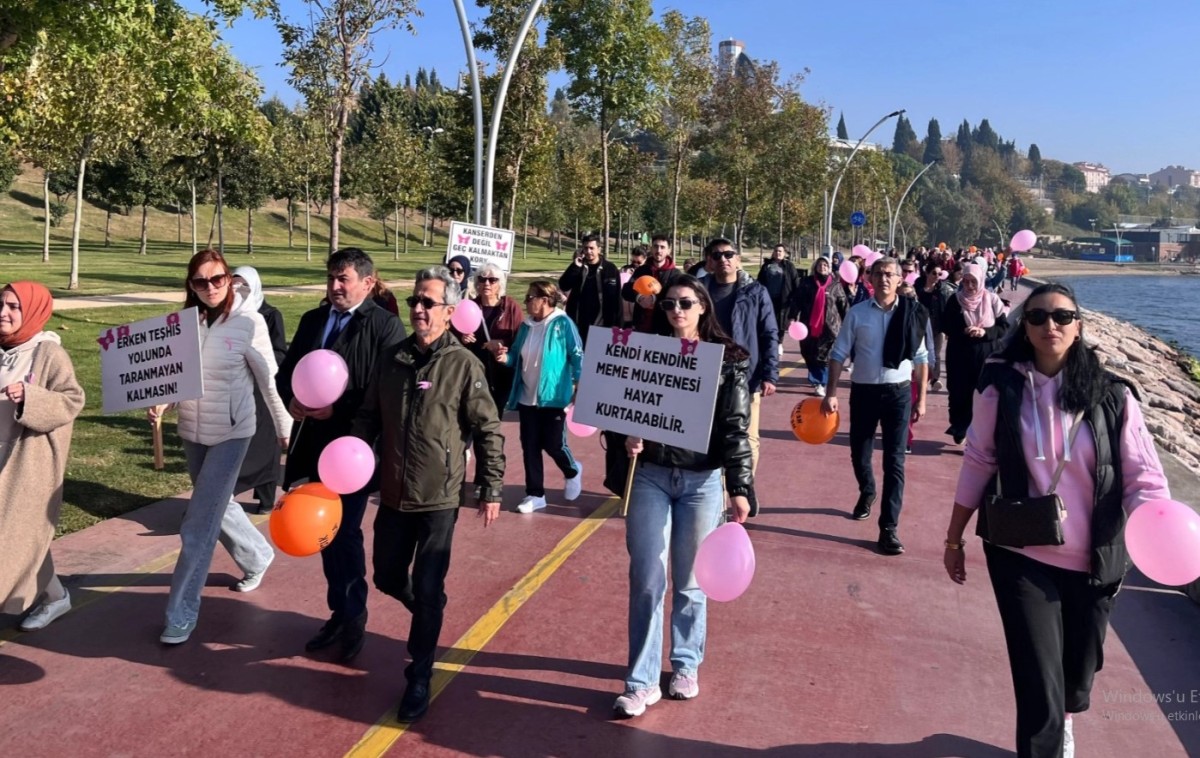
(658, 388)
(481, 244)
(151, 362)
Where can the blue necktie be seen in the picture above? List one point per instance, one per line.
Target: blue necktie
(339, 322)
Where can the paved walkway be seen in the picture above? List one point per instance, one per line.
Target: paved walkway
(835, 650)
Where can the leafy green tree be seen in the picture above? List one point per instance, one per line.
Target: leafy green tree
(394, 174)
(247, 180)
(986, 136)
(904, 140)
(842, 133)
(330, 60)
(614, 53)
(1035, 161)
(933, 142)
(963, 139)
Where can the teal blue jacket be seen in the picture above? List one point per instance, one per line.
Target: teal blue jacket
(562, 363)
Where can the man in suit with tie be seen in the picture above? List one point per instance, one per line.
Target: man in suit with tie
(354, 327)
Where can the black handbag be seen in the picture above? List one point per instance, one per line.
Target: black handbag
(1028, 521)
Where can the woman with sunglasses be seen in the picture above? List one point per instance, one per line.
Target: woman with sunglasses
(502, 317)
(216, 429)
(820, 304)
(546, 358)
(935, 293)
(39, 400)
(675, 501)
(460, 269)
(973, 321)
(1048, 405)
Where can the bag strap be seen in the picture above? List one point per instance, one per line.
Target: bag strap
(1075, 424)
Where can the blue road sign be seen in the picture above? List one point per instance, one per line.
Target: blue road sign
(858, 218)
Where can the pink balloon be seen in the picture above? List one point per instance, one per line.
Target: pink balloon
(797, 330)
(872, 257)
(579, 430)
(1023, 240)
(848, 271)
(346, 465)
(1163, 537)
(320, 378)
(625, 276)
(466, 317)
(725, 562)
(861, 251)
(911, 278)
(943, 275)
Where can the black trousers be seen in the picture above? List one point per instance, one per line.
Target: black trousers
(888, 406)
(345, 560)
(544, 430)
(1054, 627)
(420, 539)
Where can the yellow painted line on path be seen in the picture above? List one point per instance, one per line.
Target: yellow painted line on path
(139, 575)
(387, 730)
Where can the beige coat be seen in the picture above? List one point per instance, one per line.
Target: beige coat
(33, 460)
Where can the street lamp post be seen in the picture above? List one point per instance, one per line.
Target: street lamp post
(432, 132)
(896, 215)
(828, 248)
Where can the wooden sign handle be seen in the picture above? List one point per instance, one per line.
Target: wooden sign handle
(158, 444)
(628, 486)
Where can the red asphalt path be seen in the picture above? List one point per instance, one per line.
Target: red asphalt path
(834, 650)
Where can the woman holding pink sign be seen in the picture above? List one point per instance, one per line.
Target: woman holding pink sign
(216, 429)
(39, 400)
(675, 501)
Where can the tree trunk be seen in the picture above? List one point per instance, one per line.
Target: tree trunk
(525, 239)
(406, 230)
(307, 222)
(676, 191)
(383, 222)
(192, 184)
(220, 212)
(250, 231)
(291, 213)
(396, 233)
(742, 212)
(576, 233)
(77, 223)
(178, 223)
(780, 237)
(46, 221)
(604, 135)
(335, 187)
(212, 229)
(144, 234)
(108, 226)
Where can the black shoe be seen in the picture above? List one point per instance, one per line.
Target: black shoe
(958, 439)
(330, 633)
(354, 634)
(862, 509)
(908, 449)
(889, 543)
(415, 701)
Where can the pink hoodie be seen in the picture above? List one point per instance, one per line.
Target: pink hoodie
(1044, 429)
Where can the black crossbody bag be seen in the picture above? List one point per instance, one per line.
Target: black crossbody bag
(1029, 521)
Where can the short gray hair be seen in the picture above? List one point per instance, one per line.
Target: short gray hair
(491, 269)
(441, 274)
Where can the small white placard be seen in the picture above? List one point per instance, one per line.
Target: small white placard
(151, 362)
(481, 244)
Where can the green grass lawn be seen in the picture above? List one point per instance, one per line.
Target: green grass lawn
(111, 467)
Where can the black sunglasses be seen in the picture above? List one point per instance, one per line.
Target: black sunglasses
(487, 279)
(726, 254)
(457, 271)
(1061, 316)
(531, 298)
(214, 282)
(427, 303)
(682, 304)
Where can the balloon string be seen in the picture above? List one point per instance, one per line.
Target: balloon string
(296, 436)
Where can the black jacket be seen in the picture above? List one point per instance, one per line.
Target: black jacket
(371, 333)
(275, 330)
(1110, 559)
(803, 300)
(728, 442)
(644, 320)
(595, 294)
(790, 281)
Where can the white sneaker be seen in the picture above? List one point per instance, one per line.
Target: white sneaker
(250, 582)
(574, 486)
(635, 702)
(1068, 738)
(781, 351)
(45, 613)
(531, 504)
(820, 390)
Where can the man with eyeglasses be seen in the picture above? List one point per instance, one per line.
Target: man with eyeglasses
(660, 265)
(429, 399)
(594, 288)
(744, 310)
(354, 327)
(887, 336)
(778, 275)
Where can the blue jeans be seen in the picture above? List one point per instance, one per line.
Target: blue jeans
(673, 509)
(212, 514)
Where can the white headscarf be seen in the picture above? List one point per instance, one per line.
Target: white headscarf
(247, 297)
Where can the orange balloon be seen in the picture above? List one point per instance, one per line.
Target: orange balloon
(306, 519)
(941, 246)
(647, 285)
(810, 425)
(972, 248)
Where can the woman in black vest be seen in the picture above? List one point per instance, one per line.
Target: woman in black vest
(1050, 420)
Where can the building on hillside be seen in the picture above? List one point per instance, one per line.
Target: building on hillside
(1132, 180)
(1095, 175)
(732, 59)
(846, 145)
(1175, 176)
(1154, 244)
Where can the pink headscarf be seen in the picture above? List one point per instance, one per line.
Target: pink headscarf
(981, 308)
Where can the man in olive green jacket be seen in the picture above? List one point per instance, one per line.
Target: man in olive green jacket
(428, 401)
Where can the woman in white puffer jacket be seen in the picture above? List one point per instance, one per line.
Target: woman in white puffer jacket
(216, 431)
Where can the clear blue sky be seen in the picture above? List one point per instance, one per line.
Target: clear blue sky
(1109, 81)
